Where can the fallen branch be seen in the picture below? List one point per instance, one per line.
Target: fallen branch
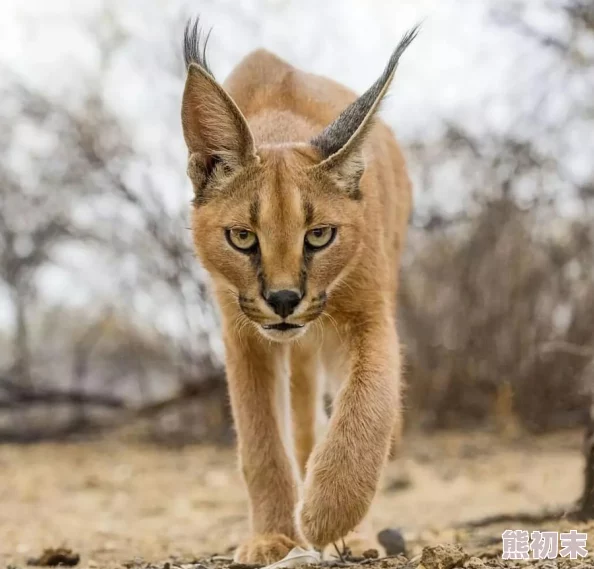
(21, 397)
(189, 391)
(568, 348)
(521, 517)
(18, 395)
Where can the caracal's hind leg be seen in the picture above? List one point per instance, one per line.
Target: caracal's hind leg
(396, 442)
(308, 414)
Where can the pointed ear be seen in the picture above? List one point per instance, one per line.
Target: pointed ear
(340, 143)
(217, 135)
(214, 129)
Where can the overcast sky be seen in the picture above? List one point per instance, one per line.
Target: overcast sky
(463, 68)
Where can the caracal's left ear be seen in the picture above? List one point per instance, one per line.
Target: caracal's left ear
(339, 144)
(216, 132)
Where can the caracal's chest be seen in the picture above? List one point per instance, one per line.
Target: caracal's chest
(327, 348)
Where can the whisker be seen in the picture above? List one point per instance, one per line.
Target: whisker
(334, 323)
(321, 327)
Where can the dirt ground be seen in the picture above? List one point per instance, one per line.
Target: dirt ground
(121, 502)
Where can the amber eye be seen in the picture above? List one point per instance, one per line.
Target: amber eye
(320, 236)
(241, 238)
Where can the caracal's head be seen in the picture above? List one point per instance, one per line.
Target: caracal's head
(277, 227)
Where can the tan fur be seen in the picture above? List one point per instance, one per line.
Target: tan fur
(313, 489)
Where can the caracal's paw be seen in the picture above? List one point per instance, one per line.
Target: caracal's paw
(264, 549)
(325, 516)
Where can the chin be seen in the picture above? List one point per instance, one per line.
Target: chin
(283, 336)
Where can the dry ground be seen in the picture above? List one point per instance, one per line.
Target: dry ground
(118, 500)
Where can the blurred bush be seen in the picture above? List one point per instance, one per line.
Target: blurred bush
(498, 299)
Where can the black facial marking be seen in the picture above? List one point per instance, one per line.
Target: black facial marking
(254, 211)
(309, 212)
(316, 306)
(306, 258)
(353, 187)
(322, 297)
(256, 259)
(303, 278)
(208, 177)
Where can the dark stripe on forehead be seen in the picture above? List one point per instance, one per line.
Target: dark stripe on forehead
(309, 212)
(254, 211)
(281, 203)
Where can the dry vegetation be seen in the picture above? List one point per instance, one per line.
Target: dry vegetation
(500, 302)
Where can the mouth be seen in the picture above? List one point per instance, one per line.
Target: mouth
(282, 326)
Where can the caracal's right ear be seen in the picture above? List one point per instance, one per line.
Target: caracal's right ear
(217, 135)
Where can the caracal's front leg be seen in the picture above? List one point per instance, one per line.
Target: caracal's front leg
(345, 468)
(254, 370)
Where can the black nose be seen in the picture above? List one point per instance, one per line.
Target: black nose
(283, 302)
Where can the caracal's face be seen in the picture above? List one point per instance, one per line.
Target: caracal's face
(278, 238)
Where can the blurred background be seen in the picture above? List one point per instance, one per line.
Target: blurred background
(105, 315)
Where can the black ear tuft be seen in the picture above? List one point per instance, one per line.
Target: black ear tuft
(194, 46)
(355, 120)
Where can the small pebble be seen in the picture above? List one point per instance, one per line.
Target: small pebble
(371, 554)
(53, 557)
(392, 541)
(474, 563)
